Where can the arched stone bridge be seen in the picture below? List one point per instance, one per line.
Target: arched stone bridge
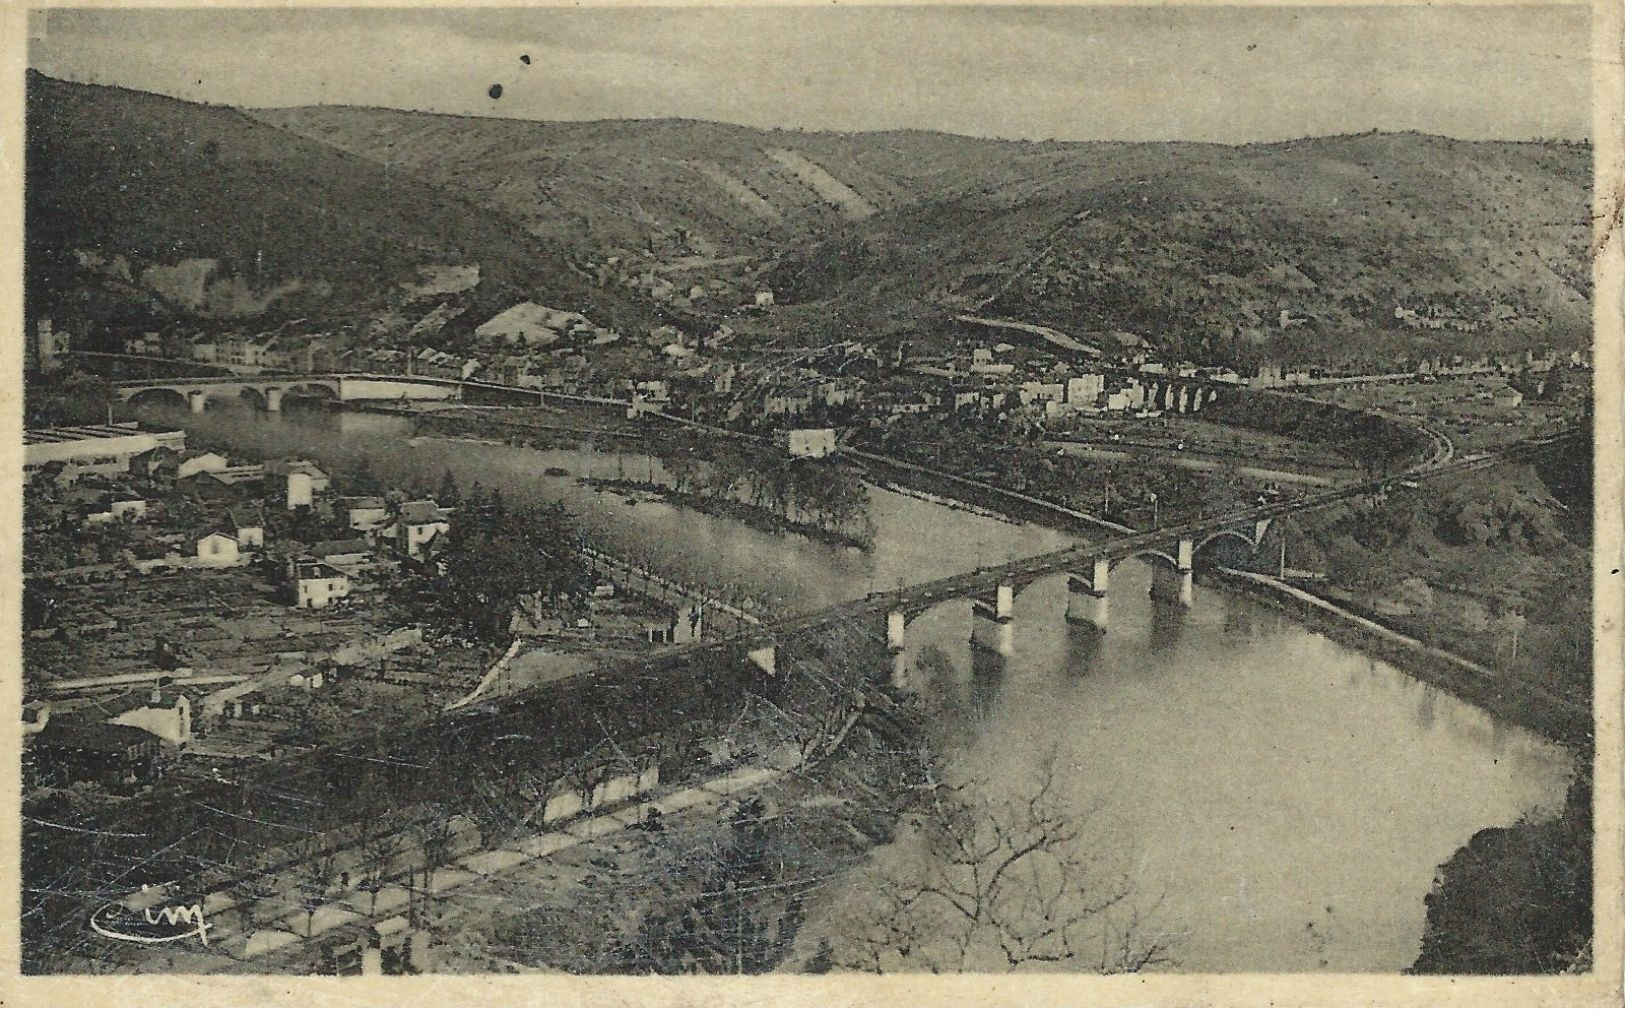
(1179, 395)
(270, 389)
(1174, 556)
(1175, 551)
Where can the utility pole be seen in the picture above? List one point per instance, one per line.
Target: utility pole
(1283, 557)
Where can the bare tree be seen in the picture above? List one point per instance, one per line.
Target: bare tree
(248, 892)
(315, 883)
(435, 837)
(984, 881)
(376, 859)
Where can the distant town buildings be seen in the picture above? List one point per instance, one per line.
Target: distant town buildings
(46, 346)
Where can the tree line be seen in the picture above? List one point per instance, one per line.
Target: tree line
(819, 493)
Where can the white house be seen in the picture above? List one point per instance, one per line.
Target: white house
(249, 526)
(319, 480)
(218, 549)
(317, 584)
(1083, 391)
(200, 461)
(418, 523)
(167, 714)
(365, 512)
(301, 490)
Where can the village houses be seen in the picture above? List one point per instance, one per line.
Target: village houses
(416, 525)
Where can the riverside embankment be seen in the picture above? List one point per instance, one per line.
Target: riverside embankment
(1503, 695)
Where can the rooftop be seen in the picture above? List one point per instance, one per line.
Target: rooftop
(422, 511)
(75, 433)
(347, 546)
(315, 571)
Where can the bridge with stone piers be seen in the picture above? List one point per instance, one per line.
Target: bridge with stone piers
(269, 389)
(1175, 550)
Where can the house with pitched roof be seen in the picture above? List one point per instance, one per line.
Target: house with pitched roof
(417, 524)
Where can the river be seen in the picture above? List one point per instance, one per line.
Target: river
(1288, 798)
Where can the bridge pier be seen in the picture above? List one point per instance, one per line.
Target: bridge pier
(273, 399)
(1086, 602)
(1004, 602)
(896, 631)
(197, 400)
(992, 621)
(1176, 586)
(991, 633)
(1173, 587)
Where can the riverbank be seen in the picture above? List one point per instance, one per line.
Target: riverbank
(1497, 693)
(756, 516)
(1516, 899)
(535, 428)
(726, 886)
(807, 575)
(1513, 899)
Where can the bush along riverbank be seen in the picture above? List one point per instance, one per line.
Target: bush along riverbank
(538, 429)
(1516, 899)
(747, 513)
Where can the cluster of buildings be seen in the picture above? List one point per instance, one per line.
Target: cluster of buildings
(183, 508)
(150, 519)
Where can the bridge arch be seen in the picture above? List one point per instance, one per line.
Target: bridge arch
(252, 397)
(313, 390)
(1240, 536)
(1152, 555)
(1229, 547)
(158, 397)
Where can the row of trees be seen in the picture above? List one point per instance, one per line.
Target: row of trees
(815, 492)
